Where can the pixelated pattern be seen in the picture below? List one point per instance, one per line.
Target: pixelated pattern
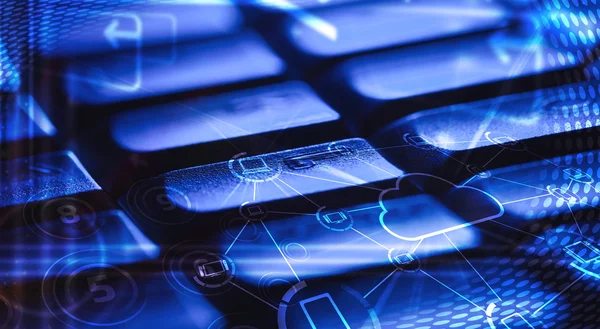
(9, 76)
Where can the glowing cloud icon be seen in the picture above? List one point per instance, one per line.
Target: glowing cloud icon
(422, 206)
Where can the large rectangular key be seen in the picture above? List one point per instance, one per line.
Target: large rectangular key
(316, 36)
(496, 132)
(149, 141)
(381, 87)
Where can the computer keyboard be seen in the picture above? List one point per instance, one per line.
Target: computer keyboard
(299, 164)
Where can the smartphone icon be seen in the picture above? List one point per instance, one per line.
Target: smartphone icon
(323, 313)
(516, 321)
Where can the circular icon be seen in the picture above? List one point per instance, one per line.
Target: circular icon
(254, 169)
(341, 150)
(336, 220)
(232, 223)
(236, 321)
(404, 260)
(576, 174)
(160, 204)
(63, 218)
(83, 287)
(272, 287)
(420, 141)
(478, 171)
(9, 315)
(563, 195)
(505, 141)
(325, 305)
(294, 250)
(253, 211)
(193, 271)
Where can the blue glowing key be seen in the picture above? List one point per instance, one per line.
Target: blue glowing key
(130, 76)
(248, 185)
(538, 122)
(396, 83)
(117, 26)
(241, 114)
(366, 25)
(43, 177)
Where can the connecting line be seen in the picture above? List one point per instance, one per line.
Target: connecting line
(590, 184)
(380, 283)
(473, 267)
(279, 187)
(445, 286)
(516, 229)
(575, 219)
(366, 208)
(497, 154)
(512, 181)
(468, 180)
(542, 158)
(289, 213)
(525, 199)
(560, 293)
(302, 195)
(332, 181)
(238, 235)
(386, 148)
(417, 246)
(253, 295)
(279, 249)
(379, 244)
(451, 157)
(231, 194)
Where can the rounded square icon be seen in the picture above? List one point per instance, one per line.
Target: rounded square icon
(436, 207)
(253, 165)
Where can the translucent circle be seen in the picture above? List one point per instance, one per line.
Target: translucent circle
(294, 250)
(478, 171)
(83, 287)
(338, 220)
(160, 204)
(272, 286)
(9, 314)
(191, 270)
(232, 223)
(66, 218)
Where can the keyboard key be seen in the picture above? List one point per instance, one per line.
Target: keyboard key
(394, 84)
(116, 78)
(24, 127)
(146, 142)
(125, 25)
(523, 127)
(421, 21)
(300, 180)
(49, 207)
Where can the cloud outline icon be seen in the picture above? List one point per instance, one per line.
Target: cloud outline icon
(454, 187)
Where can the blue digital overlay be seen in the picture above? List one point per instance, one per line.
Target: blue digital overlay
(10, 79)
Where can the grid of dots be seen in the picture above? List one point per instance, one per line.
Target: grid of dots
(9, 77)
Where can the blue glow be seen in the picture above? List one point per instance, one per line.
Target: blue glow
(313, 251)
(27, 251)
(522, 116)
(279, 177)
(231, 115)
(241, 58)
(21, 119)
(10, 78)
(161, 22)
(420, 21)
(43, 177)
(451, 65)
